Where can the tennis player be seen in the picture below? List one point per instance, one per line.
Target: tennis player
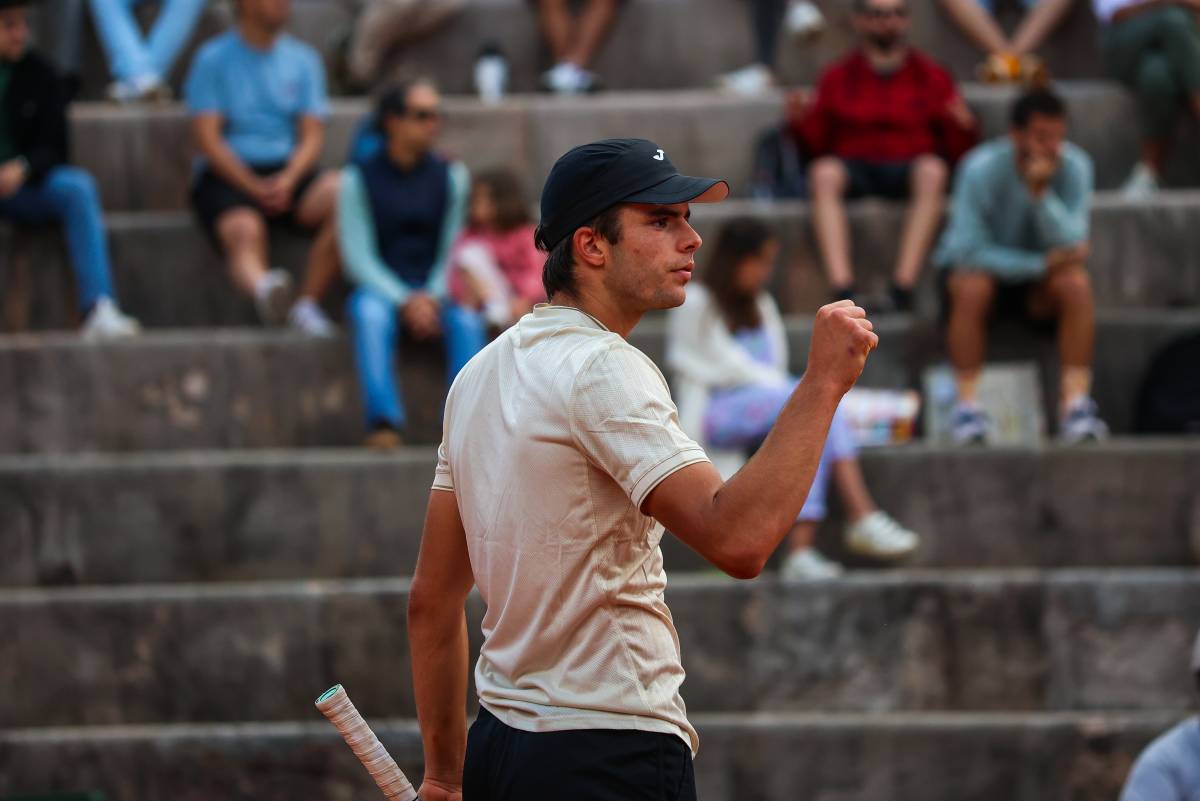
(561, 461)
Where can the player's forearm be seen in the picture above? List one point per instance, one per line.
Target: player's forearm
(757, 507)
(438, 642)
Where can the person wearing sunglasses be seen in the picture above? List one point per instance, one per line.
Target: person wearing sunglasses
(886, 121)
(400, 209)
(258, 106)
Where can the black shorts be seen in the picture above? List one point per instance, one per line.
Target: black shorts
(507, 764)
(1011, 303)
(883, 179)
(212, 196)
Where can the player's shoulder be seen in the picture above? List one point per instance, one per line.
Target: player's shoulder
(613, 363)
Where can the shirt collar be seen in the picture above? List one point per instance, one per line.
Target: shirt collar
(551, 311)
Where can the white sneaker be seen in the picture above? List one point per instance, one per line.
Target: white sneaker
(755, 79)
(804, 20)
(273, 296)
(1141, 184)
(569, 79)
(105, 321)
(309, 318)
(143, 87)
(807, 564)
(880, 537)
(1081, 423)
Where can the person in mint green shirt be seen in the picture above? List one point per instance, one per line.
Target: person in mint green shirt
(1017, 238)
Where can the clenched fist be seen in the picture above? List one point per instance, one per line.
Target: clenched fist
(841, 340)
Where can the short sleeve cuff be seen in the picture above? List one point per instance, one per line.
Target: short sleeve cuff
(646, 483)
(442, 482)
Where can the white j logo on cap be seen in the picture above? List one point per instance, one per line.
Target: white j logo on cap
(661, 155)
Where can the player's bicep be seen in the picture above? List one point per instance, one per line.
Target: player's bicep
(684, 502)
(444, 564)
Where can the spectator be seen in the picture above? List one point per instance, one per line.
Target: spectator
(801, 18)
(574, 41)
(384, 25)
(399, 213)
(1153, 46)
(36, 184)
(258, 106)
(58, 29)
(1017, 239)
(728, 349)
(496, 267)
(887, 122)
(1009, 59)
(1169, 768)
(138, 63)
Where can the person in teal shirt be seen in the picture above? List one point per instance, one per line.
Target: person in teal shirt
(1017, 237)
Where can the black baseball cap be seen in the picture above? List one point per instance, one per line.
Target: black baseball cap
(590, 178)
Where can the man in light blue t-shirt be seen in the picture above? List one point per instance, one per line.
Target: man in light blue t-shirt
(1169, 768)
(258, 106)
(1017, 241)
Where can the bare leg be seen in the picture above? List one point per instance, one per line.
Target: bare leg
(928, 182)
(971, 295)
(827, 182)
(242, 233)
(852, 487)
(978, 25)
(317, 209)
(1038, 24)
(1067, 295)
(558, 27)
(804, 533)
(593, 26)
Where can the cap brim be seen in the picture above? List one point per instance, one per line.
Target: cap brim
(682, 189)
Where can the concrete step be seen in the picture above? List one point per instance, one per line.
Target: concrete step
(169, 276)
(142, 156)
(241, 515)
(655, 44)
(995, 757)
(901, 641)
(202, 389)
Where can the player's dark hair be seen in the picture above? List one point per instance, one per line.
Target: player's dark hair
(1037, 101)
(559, 273)
(512, 207)
(737, 239)
(394, 99)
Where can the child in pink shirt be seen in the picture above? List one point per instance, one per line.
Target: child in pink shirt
(495, 267)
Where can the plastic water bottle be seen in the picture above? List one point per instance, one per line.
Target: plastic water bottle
(491, 74)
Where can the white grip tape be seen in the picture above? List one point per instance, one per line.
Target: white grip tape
(337, 706)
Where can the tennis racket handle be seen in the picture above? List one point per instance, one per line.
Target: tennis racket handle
(336, 705)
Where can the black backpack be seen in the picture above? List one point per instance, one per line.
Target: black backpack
(779, 166)
(1169, 402)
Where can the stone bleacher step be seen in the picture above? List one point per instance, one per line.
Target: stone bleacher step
(233, 516)
(169, 276)
(780, 757)
(142, 156)
(204, 388)
(1014, 640)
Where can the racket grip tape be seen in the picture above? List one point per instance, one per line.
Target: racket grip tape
(336, 705)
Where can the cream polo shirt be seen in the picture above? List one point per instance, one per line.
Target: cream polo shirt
(553, 437)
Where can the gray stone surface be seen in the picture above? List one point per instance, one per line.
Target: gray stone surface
(983, 757)
(908, 640)
(220, 516)
(243, 388)
(142, 156)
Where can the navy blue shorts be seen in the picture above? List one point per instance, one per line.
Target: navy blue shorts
(507, 764)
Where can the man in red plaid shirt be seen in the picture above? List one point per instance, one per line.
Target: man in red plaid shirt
(886, 121)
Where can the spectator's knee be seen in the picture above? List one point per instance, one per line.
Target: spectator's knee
(366, 309)
(74, 184)
(972, 292)
(929, 174)
(1072, 283)
(241, 228)
(827, 175)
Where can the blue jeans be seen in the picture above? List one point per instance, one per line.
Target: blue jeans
(132, 56)
(374, 322)
(68, 195)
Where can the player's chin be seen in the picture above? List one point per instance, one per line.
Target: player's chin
(671, 296)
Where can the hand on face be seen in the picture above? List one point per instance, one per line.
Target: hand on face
(842, 339)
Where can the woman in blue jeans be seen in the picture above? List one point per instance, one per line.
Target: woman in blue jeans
(140, 64)
(400, 209)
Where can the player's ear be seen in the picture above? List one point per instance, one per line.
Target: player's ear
(588, 247)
